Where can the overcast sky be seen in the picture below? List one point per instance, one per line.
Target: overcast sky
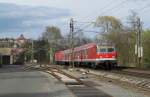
(29, 17)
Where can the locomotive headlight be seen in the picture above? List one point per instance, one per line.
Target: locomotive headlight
(113, 56)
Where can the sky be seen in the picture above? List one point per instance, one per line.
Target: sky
(30, 17)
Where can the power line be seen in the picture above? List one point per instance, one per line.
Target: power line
(107, 10)
(143, 9)
(119, 4)
(103, 7)
(116, 6)
(91, 31)
(81, 29)
(112, 8)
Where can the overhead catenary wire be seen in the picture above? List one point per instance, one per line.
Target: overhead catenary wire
(110, 10)
(81, 29)
(103, 7)
(115, 7)
(143, 8)
(104, 11)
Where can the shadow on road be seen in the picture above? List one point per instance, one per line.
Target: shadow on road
(57, 93)
(12, 68)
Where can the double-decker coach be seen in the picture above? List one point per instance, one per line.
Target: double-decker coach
(90, 54)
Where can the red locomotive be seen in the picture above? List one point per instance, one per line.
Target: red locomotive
(90, 54)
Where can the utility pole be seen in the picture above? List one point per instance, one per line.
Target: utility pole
(138, 47)
(51, 55)
(72, 41)
(135, 30)
(32, 51)
(1, 60)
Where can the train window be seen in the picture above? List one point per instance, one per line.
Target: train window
(102, 50)
(110, 49)
(83, 55)
(86, 53)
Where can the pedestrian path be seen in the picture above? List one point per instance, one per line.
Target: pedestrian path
(31, 84)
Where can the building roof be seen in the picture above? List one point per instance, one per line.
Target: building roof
(21, 37)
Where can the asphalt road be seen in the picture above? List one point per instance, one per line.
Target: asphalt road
(15, 82)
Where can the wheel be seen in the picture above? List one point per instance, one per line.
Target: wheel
(93, 65)
(108, 65)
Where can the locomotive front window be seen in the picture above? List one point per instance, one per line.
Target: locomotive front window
(105, 49)
(110, 49)
(102, 50)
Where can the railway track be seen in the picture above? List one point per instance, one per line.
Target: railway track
(81, 88)
(137, 73)
(140, 80)
(137, 78)
(78, 87)
(125, 71)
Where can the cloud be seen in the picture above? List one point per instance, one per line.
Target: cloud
(21, 18)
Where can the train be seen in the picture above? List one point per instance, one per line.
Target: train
(91, 54)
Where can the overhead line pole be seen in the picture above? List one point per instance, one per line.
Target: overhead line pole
(72, 41)
(140, 49)
(138, 46)
(32, 51)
